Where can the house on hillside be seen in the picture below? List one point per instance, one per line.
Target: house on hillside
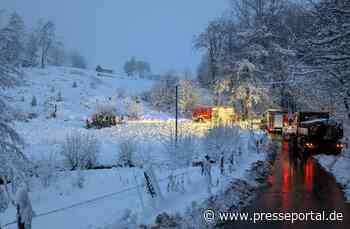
(99, 69)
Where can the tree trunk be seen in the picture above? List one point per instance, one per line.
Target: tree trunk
(346, 103)
(42, 59)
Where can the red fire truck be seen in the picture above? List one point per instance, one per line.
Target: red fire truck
(220, 114)
(202, 114)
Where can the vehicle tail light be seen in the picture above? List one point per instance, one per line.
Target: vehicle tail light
(309, 145)
(340, 145)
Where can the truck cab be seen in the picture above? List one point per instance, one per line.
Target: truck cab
(317, 132)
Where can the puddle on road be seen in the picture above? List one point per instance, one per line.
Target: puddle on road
(298, 186)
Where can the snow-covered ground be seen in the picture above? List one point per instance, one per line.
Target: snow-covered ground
(106, 194)
(113, 191)
(339, 165)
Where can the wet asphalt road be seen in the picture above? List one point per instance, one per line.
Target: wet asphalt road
(298, 186)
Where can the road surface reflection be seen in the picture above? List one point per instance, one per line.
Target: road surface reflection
(298, 186)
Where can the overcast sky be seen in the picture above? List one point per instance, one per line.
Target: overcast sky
(109, 32)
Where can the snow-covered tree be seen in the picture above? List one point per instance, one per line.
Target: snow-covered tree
(13, 164)
(133, 66)
(163, 93)
(31, 51)
(188, 96)
(80, 151)
(221, 141)
(46, 169)
(266, 34)
(134, 109)
(57, 54)
(12, 39)
(127, 153)
(328, 47)
(203, 72)
(130, 67)
(46, 40)
(143, 68)
(25, 211)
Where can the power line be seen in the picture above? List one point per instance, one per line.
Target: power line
(92, 200)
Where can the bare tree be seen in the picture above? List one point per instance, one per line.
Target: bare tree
(57, 54)
(46, 39)
(31, 51)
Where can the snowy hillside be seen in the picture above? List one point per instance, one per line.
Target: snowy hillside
(75, 92)
(110, 193)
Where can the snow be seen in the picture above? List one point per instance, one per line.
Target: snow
(106, 195)
(339, 166)
(105, 211)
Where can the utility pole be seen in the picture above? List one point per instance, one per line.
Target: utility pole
(176, 113)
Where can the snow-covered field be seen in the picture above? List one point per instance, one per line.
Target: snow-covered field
(115, 191)
(111, 197)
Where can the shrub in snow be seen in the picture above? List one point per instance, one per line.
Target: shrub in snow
(75, 85)
(80, 151)
(163, 93)
(79, 179)
(46, 169)
(188, 97)
(221, 141)
(134, 109)
(22, 99)
(4, 201)
(166, 221)
(59, 97)
(127, 153)
(50, 107)
(33, 103)
(176, 184)
(24, 208)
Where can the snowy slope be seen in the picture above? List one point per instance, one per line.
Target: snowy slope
(107, 193)
(62, 205)
(76, 106)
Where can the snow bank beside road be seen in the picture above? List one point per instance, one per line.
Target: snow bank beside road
(339, 166)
